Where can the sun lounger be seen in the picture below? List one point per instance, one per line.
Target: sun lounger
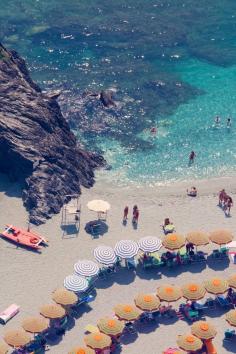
(91, 329)
(229, 334)
(223, 301)
(8, 313)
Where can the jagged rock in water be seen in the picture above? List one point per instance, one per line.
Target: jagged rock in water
(36, 143)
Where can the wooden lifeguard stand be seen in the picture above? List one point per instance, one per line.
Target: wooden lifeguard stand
(70, 217)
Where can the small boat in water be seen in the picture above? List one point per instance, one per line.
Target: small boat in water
(23, 237)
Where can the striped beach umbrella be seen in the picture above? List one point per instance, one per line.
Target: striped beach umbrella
(64, 297)
(173, 241)
(150, 244)
(86, 268)
(127, 312)
(111, 326)
(35, 324)
(231, 317)
(216, 285)
(221, 237)
(52, 311)
(169, 293)
(147, 302)
(4, 349)
(126, 249)
(75, 283)
(105, 255)
(189, 343)
(232, 281)
(97, 341)
(17, 337)
(203, 330)
(198, 238)
(193, 291)
(81, 350)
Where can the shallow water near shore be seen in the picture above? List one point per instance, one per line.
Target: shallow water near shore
(173, 72)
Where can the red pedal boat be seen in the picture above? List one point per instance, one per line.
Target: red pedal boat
(23, 237)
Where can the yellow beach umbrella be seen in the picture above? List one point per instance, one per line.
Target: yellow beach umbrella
(64, 297)
(189, 343)
(169, 293)
(147, 302)
(173, 241)
(35, 324)
(231, 317)
(4, 348)
(52, 311)
(111, 326)
(193, 291)
(17, 337)
(221, 237)
(127, 312)
(198, 238)
(203, 330)
(97, 341)
(82, 350)
(216, 285)
(232, 281)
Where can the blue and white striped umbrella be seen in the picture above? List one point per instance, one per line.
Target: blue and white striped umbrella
(86, 268)
(75, 283)
(150, 244)
(126, 249)
(105, 255)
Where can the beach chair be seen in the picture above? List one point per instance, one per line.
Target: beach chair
(130, 263)
(210, 303)
(223, 301)
(229, 334)
(8, 313)
(91, 329)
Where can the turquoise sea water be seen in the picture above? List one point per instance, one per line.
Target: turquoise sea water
(173, 64)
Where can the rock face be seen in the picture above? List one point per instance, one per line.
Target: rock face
(36, 143)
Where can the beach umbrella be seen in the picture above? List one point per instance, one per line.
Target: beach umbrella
(173, 351)
(150, 244)
(169, 293)
(231, 317)
(216, 285)
(99, 206)
(3, 348)
(232, 281)
(203, 330)
(221, 237)
(97, 341)
(17, 337)
(198, 238)
(82, 350)
(173, 241)
(105, 255)
(52, 311)
(35, 324)
(64, 297)
(126, 249)
(86, 268)
(127, 312)
(147, 302)
(76, 283)
(111, 326)
(193, 291)
(189, 343)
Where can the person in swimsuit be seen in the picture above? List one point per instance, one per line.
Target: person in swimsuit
(229, 123)
(192, 157)
(217, 120)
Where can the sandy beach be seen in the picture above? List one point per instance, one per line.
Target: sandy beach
(28, 278)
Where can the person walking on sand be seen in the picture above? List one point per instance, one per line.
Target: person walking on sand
(126, 212)
(229, 204)
(192, 157)
(222, 196)
(135, 214)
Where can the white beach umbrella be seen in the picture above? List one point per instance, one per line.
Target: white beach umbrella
(86, 268)
(100, 206)
(126, 249)
(75, 283)
(150, 244)
(105, 255)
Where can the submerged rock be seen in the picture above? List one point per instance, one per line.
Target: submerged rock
(36, 143)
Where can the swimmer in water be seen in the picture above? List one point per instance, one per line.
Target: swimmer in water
(192, 157)
(229, 123)
(217, 120)
(153, 130)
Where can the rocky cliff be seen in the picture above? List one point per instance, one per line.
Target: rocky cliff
(36, 143)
